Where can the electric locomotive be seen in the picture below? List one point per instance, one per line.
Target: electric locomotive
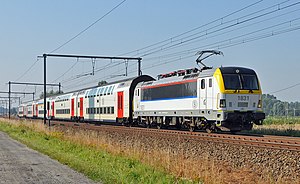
(225, 98)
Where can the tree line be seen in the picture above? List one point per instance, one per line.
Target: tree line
(274, 107)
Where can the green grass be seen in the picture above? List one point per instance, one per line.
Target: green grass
(275, 131)
(282, 126)
(281, 120)
(98, 165)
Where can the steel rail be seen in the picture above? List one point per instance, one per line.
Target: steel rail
(262, 141)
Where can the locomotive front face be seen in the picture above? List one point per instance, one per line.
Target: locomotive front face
(239, 100)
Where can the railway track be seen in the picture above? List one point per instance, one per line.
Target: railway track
(262, 141)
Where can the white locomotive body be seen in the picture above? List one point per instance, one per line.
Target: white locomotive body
(227, 98)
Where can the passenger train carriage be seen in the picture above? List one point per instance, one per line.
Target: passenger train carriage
(225, 98)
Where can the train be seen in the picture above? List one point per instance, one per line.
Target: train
(210, 99)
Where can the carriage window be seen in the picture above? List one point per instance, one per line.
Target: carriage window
(210, 83)
(112, 89)
(203, 84)
(101, 91)
(109, 90)
(112, 110)
(182, 90)
(105, 90)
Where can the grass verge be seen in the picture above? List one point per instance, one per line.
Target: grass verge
(281, 120)
(97, 164)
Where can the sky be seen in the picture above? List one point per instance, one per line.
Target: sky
(263, 35)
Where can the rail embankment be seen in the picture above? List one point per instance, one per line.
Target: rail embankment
(148, 157)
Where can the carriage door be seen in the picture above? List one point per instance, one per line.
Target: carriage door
(33, 111)
(48, 109)
(81, 107)
(120, 104)
(209, 93)
(52, 109)
(203, 96)
(72, 107)
(36, 110)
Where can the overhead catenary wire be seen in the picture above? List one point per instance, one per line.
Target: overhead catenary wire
(241, 22)
(67, 71)
(228, 16)
(74, 37)
(31, 66)
(227, 45)
(213, 36)
(194, 29)
(189, 56)
(189, 53)
(218, 45)
(251, 24)
(88, 27)
(231, 41)
(284, 89)
(236, 22)
(222, 33)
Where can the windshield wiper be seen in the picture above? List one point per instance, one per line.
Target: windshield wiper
(250, 91)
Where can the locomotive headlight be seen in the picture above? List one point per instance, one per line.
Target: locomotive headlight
(259, 105)
(222, 103)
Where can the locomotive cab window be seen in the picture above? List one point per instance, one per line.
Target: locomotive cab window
(232, 81)
(240, 82)
(249, 82)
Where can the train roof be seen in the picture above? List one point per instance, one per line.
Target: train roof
(92, 90)
(194, 73)
(234, 69)
(181, 75)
